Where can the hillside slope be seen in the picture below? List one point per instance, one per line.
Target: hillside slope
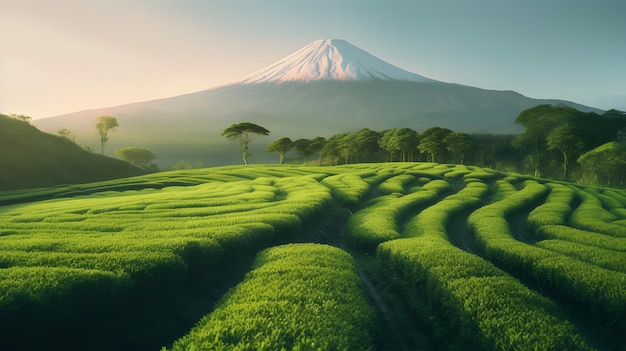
(30, 158)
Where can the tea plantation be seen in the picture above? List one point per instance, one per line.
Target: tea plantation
(393, 256)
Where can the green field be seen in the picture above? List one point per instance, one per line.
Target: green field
(393, 256)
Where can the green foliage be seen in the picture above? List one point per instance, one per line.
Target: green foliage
(297, 297)
(281, 145)
(459, 143)
(432, 141)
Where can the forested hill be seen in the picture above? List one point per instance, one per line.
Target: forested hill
(30, 158)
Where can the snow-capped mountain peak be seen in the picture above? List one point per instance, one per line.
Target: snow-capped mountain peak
(330, 59)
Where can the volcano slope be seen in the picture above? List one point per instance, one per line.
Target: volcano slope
(218, 258)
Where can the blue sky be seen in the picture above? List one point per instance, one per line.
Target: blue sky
(64, 56)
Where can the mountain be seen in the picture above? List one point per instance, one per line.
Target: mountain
(330, 59)
(30, 158)
(327, 87)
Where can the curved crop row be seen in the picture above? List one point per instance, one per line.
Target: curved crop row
(592, 216)
(349, 189)
(146, 239)
(297, 297)
(599, 290)
(555, 210)
(484, 306)
(379, 222)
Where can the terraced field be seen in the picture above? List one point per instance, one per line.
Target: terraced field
(362, 257)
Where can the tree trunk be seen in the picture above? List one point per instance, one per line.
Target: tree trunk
(537, 158)
(565, 166)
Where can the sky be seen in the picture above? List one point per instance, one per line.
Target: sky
(64, 56)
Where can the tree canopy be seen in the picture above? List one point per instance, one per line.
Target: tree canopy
(432, 141)
(281, 145)
(244, 133)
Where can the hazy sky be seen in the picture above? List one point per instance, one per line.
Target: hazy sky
(64, 56)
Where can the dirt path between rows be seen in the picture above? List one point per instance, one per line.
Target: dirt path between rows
(401, 332)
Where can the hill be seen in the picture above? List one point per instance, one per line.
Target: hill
(425, 256)
(327, 87)
(30, 158)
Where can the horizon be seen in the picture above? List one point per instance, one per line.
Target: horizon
(68, 56)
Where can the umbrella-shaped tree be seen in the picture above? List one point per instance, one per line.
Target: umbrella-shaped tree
(244, 133)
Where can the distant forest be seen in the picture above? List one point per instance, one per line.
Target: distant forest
(557, 143)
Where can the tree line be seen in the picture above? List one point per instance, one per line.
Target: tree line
(558, 143)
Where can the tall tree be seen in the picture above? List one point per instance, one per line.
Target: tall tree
(538, 122)
(460, 143)
(388, 144)
(244, 133)
(567, 139)
(303, 148)
(431, 141)
(407, 140)
(316, 147)
(281, 145)
(333, 148)
(104, 125)
(366, 143)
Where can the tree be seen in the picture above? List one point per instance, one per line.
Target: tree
(67, 134)
(104, 125)
(407, 140)
(317, 144)
(332, 148)
(347, 146)
(302, 147)
(459, 143)
(281, 145)
(244, 133)
(136, 156)
(538, 122)
(565, 138)
(366, 143)
(431, 141)
(388, 144)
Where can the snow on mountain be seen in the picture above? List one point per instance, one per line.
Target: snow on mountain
(330, 59)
